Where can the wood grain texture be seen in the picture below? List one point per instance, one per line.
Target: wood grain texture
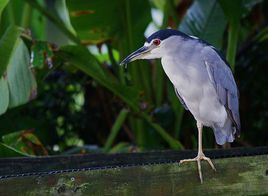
(234, 176)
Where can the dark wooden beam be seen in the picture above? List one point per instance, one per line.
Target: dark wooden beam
(138, 174)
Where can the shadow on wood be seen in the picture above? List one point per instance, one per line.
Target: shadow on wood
(246, 175)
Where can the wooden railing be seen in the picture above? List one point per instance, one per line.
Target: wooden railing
(239, 172)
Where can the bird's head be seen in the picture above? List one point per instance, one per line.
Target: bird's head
(155, 45)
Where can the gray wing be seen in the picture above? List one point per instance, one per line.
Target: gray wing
(180, 98)
(222, 78)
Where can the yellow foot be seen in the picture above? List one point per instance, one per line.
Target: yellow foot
(198, 159)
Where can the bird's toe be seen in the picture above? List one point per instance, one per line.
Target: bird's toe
(209, 162)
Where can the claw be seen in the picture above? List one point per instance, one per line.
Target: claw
(198, 160)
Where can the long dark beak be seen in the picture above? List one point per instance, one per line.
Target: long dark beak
(135, 55)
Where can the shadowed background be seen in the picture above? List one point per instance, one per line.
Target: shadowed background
(63, 92)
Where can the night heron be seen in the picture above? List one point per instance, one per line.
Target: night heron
(203, 82)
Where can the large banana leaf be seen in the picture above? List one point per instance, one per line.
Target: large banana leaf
(234, 10)
(94, 21)
(205, 19)
(8, 43)
(4, 98)
(17, 82)
(99, 20)
(21, 81)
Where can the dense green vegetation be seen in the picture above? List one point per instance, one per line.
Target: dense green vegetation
(62, 89)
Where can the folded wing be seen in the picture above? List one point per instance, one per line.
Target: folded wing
(222, 78)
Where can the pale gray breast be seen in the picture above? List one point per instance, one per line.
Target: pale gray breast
(187, 71)
(184, 66)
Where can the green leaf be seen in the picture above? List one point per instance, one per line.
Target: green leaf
(17, 84)
(3, 4)
(8, 44)
(4, 100)
(39, 25)
(98, 20)
(8, 151)
(21, 81)
(64, 15)
(94, 21)
(234, 11)
(262, 35)
(205, 19)
(159, 4)
(54, 19)
(178, 109)
(121, 147)
(173, 143)
(24, 142)
(83, 60)
(135, 17)
(115, 129)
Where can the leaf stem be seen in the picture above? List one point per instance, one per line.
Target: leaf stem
(173, 143)
(26, 16)
(115, 129)
(232, 43)
(10, 14)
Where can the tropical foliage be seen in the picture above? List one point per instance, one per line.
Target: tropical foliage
(62, 89)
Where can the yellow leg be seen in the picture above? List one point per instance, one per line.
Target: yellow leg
(200, 156)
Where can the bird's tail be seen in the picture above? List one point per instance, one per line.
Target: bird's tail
(224, 134)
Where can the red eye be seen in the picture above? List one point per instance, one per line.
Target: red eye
(156, 42)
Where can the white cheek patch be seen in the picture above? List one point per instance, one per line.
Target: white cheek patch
(147, 44)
